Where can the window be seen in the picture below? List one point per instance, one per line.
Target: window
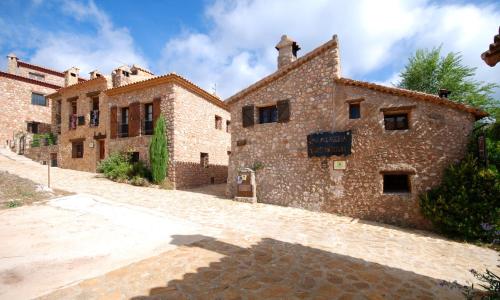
(36, 76)
(268, 114)
(127, 74)
(218, 122)
(94, 113)
(148, 119)
(38, 99)
(134, 157)
(228, 126)
(73, 107)
(77, 149)
(354, 111)
(95, 103)
(204, 160)
(396, 121)
(396, 183)
(124, 122)
(58, 112)
(32, 127)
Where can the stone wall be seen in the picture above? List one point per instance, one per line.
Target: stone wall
(18, 110)
(195, 133)
(43, 153)
(48, 77)
(83, 132)
(437, 136)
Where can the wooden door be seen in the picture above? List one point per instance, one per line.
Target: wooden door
(101, 150)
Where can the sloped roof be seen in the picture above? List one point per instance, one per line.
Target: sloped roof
(79, 84)
(415, 95)
(29, 80)
(168, 78)
(43, 69)
(284, 70)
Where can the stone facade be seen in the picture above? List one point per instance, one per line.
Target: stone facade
(190, 114)
(319, 101)
(84, 95)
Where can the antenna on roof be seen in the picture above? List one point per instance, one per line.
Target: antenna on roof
(214, 89)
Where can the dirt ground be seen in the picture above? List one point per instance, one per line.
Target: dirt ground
(16, 191)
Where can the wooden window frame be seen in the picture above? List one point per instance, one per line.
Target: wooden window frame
(35, 100)
(273, 117)
(394, 116)
(352, 114)
(74, 149)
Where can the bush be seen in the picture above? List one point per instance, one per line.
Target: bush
(166, 184)
(138, 181)
(43, 139)
(141, 170)
(116, 166)
(466, 201)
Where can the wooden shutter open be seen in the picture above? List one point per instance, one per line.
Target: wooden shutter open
(134, 119)
(156, 110)
(247, 115)
(113, 119)
(283, 111)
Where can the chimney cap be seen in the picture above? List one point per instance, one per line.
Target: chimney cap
(12, 55)
(286, 41)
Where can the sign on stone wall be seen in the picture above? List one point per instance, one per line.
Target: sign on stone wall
(323, 144)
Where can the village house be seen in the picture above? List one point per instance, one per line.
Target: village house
(117, 113)
(323, 142)
(26, 111)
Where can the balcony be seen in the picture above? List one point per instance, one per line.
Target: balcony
(94, 118)
(147, 127)
(122, 130)
(73, 121)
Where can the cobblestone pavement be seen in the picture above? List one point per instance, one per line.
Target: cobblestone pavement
(266, 251)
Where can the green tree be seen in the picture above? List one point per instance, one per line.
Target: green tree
(427, 71)
(158, 152)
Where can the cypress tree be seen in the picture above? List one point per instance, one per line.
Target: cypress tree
(158, 152)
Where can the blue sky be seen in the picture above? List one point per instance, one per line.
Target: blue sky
(230, 44)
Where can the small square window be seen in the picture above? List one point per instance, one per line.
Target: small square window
(204, 160)
(36, 76)
(354, 111)
(134, 157)
(268, 114)
(396, 183)
(218, 122)
(38, 99)
(228, 126)
(396, 121)
(77, 149)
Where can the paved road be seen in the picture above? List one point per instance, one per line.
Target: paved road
(245, 250)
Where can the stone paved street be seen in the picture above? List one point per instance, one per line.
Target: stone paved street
(244, 251)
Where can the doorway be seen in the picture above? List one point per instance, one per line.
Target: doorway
(102, 150)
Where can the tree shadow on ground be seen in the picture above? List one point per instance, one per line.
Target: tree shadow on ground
(272, 269)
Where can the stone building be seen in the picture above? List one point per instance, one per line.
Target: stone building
(197, 127)
(338, 145)
(117, 113)
(25, 110)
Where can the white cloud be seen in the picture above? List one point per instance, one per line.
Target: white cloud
(104, 48)
(374, 36)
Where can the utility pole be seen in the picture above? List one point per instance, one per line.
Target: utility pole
(48, 173)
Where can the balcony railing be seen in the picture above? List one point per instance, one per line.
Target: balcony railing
(73, 122)
(122, 130)
(94, 118)
(147, 127)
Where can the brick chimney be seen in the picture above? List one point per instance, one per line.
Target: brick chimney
(71, 76)
(287, 51)
(12, 63)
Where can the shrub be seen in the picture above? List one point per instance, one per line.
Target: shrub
(141, 170)
(465, 202)
(166, 184)
(116, 166)
(14, 203)
(158, 152)
(138, 181)
(44, 139)
(36, 141)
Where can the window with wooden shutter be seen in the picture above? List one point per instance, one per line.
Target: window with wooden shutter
(113, 118)
(156, 110)
(247, 115)
(134, 119)
(283, 111)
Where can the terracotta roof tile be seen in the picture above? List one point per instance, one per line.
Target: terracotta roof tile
(415, 95)
(79, 84)
(170, 77)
